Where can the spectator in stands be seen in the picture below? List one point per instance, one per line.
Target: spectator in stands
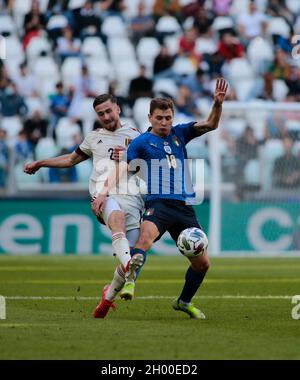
(187, 44)
(58, 5)
(215, 63)
(85, 84)
(229, 161)
(11, 103)
(112, 7)
(251, 24)
(230, 47)
(275, 126)
(286, 172)
(63, 175)
(35, 127)
(6, 6)
(59, 106)
(280, 67)
(121, 100)
(4, 158)
(185, 103)
(191, 8)
(87, 22)
(221, 7)
(84, 88)
(140, 86)
(34, 23)
(267, 87)
(293, 83)
(166, 8)
(246, 150)
(197, 84)
(278, 8)
(4, 79)
(26, 82)
(141, 25)
(203, 20)
(162, 66)
(67, 45)
(23, 147)
(246, 147)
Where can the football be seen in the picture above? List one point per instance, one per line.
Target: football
(192, 242)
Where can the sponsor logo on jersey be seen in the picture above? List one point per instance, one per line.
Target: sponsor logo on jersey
(100, 141)
(155, 146)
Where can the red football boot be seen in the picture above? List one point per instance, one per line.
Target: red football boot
(103, 308)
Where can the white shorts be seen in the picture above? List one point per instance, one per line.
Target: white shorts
(132, 205)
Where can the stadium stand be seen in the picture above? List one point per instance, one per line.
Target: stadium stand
(259, 67)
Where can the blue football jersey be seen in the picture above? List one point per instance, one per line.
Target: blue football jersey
(162, 162)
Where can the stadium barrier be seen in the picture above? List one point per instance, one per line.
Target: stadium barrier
(64, 227)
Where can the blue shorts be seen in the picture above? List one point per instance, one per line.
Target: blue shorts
(170, 215)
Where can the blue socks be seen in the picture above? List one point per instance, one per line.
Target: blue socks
(193, 281)
(134, 251)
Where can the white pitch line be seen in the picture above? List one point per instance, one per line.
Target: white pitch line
(65, 298)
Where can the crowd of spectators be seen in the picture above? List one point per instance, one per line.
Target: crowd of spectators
(173, 48)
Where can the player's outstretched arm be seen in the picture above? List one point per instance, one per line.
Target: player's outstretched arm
(64, 161)
(213, 119)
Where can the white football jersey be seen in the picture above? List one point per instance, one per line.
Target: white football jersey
(99, 145)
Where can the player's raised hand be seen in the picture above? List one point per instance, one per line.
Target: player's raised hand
(220, 91)
(31, 167)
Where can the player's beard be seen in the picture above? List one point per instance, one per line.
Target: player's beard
(111, 126)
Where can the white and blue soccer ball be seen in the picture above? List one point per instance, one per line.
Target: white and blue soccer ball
(192, 242)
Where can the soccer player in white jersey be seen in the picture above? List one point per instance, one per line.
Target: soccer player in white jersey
(121, 212)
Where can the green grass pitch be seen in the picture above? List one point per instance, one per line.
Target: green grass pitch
(247, 302)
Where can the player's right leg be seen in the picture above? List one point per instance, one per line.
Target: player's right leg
(109, 293)
(114, 218)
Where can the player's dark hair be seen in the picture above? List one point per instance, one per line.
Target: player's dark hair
(103, 98)
(162, 104)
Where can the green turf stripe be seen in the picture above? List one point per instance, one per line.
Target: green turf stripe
(225, 296)
(166, 281)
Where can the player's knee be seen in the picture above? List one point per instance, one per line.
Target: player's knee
(117, 220)
(202, 264)
(145, 241)
(205, 266)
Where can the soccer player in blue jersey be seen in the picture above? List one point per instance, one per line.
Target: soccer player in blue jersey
(161, 147)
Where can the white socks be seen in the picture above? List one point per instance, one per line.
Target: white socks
(117, 283)
(122, 251)
(121, 247)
